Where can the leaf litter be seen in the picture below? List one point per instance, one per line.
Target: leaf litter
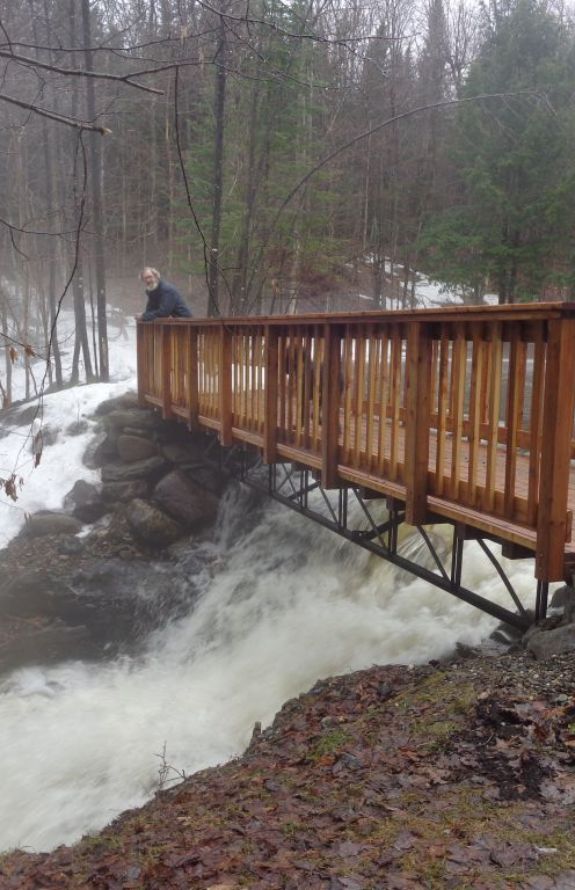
(452, 775)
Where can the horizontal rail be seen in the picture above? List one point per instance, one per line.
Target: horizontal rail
(463, 413)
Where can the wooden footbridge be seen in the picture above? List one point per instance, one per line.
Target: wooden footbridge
(460, 415)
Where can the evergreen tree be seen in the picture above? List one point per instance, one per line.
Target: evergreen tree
(514, 161)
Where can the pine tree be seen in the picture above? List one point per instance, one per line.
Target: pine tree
(513, 159)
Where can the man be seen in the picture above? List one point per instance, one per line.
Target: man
(163, 298)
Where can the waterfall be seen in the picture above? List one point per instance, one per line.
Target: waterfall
(282, 603)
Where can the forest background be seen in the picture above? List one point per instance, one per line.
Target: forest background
(275, 156)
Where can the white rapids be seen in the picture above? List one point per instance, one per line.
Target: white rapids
(283, 603)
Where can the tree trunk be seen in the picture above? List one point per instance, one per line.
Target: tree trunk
(219, 112)
(239, 286)
(95, 161)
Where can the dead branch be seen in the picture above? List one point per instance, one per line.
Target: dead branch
(59, 118)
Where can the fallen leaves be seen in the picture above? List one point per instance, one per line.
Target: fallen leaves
(384, 780)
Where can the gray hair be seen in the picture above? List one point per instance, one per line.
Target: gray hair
(149, 270)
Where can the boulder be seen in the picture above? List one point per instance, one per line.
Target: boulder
(151, 525)
(27, 593)
(564, 598)
(543, 643)
(47, 523)
(127, 400)
(112, 492)
(101, 449)
(152, 467)
(185, 500)
(132, 448)
(137, 418)
(56, 642)
(85, 502)
(183, 452)
(190, 461)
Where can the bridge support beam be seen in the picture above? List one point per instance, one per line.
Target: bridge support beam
(558, 406)
(418, 422)
(330, 406)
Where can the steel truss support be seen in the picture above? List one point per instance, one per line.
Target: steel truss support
(291, 484)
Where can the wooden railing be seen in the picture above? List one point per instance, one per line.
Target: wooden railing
(464, 413)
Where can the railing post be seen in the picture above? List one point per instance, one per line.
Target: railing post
(166, 351)
(270, 395)
(143, 371)
(558, 404)
(417, 421)
(225, 386)
(330, 384)
(193, 394)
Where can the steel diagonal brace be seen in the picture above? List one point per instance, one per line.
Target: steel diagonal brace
(502, 575)
(305, 490)
(329, 507)
(377, 533)
(289, 478)
(286, 479)
(433, 551)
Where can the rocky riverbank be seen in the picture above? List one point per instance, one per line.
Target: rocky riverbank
(454, 775)
(100, 592)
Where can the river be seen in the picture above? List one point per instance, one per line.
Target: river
(282, 603)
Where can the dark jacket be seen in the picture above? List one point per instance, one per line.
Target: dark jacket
(165, 301)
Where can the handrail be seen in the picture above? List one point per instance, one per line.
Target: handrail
(463, 413)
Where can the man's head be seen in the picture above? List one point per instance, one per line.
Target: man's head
(150, 277)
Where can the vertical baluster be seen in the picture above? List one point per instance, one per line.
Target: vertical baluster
(348, 383)
(271, 369)
(331, 398)
(299, 389)
(317, 366)
(282, 360)
(193, 382)
(225, 385)
(457, 400)
(259, 384)
(166, 341)
(142, 361)
(306, 389)
(292, 375)
(384, 375)
(443, 384)
(372, 377)
(395, 394)
(535, 425)
(515, 393)
(245, 377)
(360, 394)
(494, 403)
(475, 416)
(251, 378)
(433, 384)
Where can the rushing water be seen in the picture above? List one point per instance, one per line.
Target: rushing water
(283, 602)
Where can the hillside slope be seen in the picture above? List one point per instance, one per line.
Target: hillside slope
(452, 775)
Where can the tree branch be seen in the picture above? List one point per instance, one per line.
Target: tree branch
(52, 115)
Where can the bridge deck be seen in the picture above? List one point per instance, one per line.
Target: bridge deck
(463, 415)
